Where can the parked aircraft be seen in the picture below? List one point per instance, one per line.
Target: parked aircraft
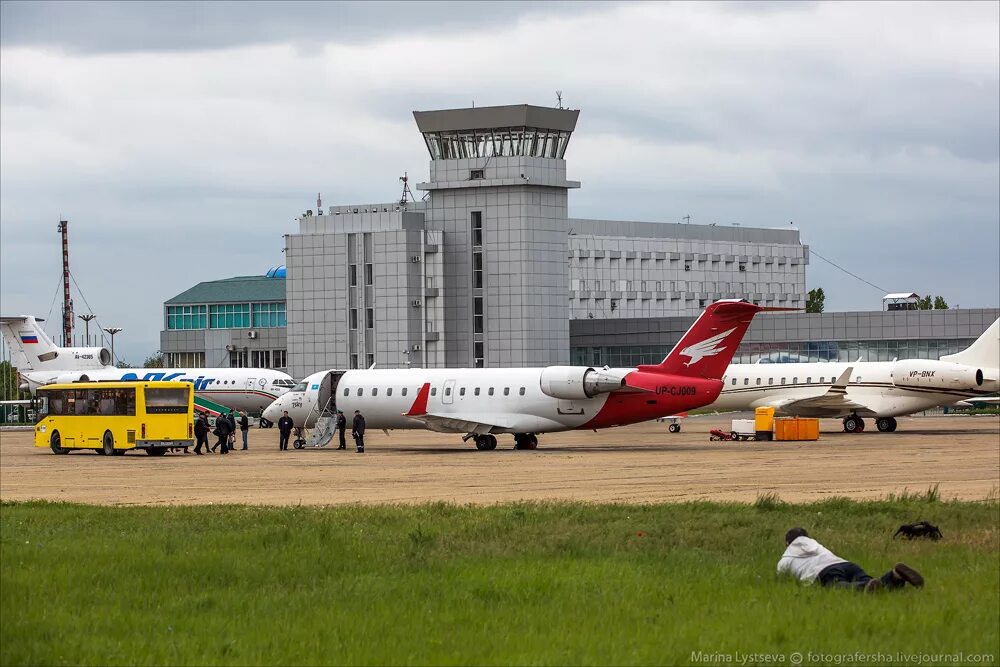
(880, 389)
(39, 361)
(484, 402)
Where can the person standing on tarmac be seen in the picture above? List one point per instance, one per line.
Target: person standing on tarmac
(232, 430)
(200, 433)
(223, 430)
(342, 427)
(244, 427)
(285, 426)
(358, 431)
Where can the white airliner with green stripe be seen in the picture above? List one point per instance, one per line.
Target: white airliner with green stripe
(880, 389)
(39, 361)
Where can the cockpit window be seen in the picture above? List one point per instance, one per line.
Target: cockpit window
(280, 382)
(300, 386)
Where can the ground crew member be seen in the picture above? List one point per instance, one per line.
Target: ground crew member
(285, 426)
(222, 429)
(244, 427)
(232, 430)
(342, 427)
(200, 433)
(358, 431)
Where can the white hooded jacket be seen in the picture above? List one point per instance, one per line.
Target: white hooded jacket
(805, 558)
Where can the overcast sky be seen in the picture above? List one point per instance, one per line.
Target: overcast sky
(181, 140)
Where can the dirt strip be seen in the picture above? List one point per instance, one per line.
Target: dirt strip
(642, 463)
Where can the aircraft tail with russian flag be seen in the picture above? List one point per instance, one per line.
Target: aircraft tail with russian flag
(32, 350)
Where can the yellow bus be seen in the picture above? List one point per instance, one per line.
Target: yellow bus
(112, 417)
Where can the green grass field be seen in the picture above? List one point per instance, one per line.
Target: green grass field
(511, 584)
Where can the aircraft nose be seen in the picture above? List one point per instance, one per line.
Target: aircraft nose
(272, 413)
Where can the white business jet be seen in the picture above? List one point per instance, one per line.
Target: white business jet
(880, 389)
(483, 402)
(39, 361)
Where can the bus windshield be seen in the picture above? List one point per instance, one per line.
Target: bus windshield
(166, 401)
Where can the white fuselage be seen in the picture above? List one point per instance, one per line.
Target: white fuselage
(883, 389)
(248, 389)
(510, 398)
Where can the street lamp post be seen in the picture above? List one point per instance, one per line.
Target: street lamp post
(87, 318)
(111, 332)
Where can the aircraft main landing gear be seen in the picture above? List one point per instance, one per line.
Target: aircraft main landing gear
(854, 424)
(674, 428)
(525, 441)
(486, 442)
(886, 424)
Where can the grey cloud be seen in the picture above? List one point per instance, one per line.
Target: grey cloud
(186, 164)
(102, 27)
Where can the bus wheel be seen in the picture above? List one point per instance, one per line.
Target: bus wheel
(109, 444)
(55, 443)
(156, 451)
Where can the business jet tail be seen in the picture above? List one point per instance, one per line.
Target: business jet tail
(984, 353)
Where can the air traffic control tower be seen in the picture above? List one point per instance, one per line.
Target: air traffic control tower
(498, 193)
(472, 275)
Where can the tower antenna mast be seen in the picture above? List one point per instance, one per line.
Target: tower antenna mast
(407, 195)
(63, 230)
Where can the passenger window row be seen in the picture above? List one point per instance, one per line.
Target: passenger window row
(795, 380)
(374, 391)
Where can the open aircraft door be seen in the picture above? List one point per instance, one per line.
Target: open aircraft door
(328, 390)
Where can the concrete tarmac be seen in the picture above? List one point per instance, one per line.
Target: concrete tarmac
(636, 464)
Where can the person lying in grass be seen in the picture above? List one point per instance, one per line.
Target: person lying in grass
(807, 560)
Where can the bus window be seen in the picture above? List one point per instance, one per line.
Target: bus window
(166, 401)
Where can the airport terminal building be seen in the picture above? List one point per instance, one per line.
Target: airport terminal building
(487, 269)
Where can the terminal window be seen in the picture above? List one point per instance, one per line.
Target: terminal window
(187, 317)
(229, 316)
(269, 315)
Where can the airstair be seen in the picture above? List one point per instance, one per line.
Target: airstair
(325, 428)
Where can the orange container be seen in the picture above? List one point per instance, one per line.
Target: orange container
(796, 428)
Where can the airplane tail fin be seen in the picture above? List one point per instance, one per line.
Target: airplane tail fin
(29, 346)
(709, 345)
(983, 353)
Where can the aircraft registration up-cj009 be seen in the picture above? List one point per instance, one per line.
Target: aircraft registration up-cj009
(39, 362)
(484, 402)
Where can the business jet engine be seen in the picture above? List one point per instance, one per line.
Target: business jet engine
(577, 383)
(936, 374)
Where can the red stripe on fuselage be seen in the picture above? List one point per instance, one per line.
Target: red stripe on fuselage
(671, 395)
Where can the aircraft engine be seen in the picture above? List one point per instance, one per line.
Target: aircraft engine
(931, 374)
(94, 355)
(577, 382)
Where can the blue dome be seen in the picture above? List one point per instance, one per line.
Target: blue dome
(276, 272)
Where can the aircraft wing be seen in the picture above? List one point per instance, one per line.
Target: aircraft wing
(454, 422)
(832, 402)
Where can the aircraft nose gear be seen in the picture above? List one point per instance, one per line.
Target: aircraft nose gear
(486, 442)
(886, 424)
(854, 424)
(525, 441)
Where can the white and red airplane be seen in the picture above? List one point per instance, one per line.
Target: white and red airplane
(483, 402)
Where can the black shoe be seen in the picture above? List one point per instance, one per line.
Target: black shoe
(908, 574)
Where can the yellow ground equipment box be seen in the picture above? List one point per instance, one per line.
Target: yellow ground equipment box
(795, 428)
(764, 423)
